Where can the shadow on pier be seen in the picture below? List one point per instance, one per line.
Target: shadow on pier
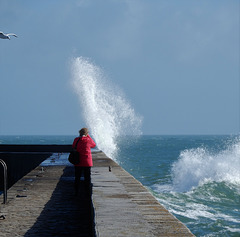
(65, 214)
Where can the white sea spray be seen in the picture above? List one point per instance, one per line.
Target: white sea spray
(106, 111)
(198, 166)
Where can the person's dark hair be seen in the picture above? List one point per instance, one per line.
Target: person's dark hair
(83, 131)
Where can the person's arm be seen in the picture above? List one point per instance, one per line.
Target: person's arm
(92, 143)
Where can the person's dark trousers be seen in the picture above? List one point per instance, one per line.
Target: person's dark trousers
(87, 179)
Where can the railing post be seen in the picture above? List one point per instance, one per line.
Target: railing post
(5, 180)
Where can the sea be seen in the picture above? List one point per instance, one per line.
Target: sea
(196, 178)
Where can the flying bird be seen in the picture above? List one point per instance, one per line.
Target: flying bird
(6, 36)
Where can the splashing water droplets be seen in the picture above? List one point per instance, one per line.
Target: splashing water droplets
(198, 166)
(105, 110)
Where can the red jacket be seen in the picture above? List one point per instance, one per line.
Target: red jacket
(84, 148)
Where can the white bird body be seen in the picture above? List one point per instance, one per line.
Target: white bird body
(6, 36)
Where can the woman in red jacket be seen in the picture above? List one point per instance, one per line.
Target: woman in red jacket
(84, 144)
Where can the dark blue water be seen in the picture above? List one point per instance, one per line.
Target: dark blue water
(36, 139)
(196, 178)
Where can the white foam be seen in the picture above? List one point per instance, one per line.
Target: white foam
(196, 211)
(106, 111)
(193, 210)
(198, 166)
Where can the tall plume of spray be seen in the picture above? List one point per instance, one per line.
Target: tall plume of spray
(105, 110)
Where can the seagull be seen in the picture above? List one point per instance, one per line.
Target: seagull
(6, 36)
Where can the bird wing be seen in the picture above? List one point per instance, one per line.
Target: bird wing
(11, 35)
(2, 36)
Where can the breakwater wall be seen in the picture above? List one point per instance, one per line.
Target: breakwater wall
(21, 159)
(43, 203)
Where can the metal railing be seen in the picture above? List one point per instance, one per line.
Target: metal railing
(5, 181)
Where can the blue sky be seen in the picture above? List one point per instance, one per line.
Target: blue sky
(176, 61)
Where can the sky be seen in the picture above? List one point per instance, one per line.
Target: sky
(177, 63)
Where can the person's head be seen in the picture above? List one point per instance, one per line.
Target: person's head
(83, 132)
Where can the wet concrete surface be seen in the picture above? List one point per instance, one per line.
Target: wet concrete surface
(43, 203)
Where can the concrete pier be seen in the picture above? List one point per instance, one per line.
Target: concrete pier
(42, 203)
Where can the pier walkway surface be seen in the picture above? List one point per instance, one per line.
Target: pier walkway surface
(43, 204)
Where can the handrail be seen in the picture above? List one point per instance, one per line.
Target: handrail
(5, 180)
